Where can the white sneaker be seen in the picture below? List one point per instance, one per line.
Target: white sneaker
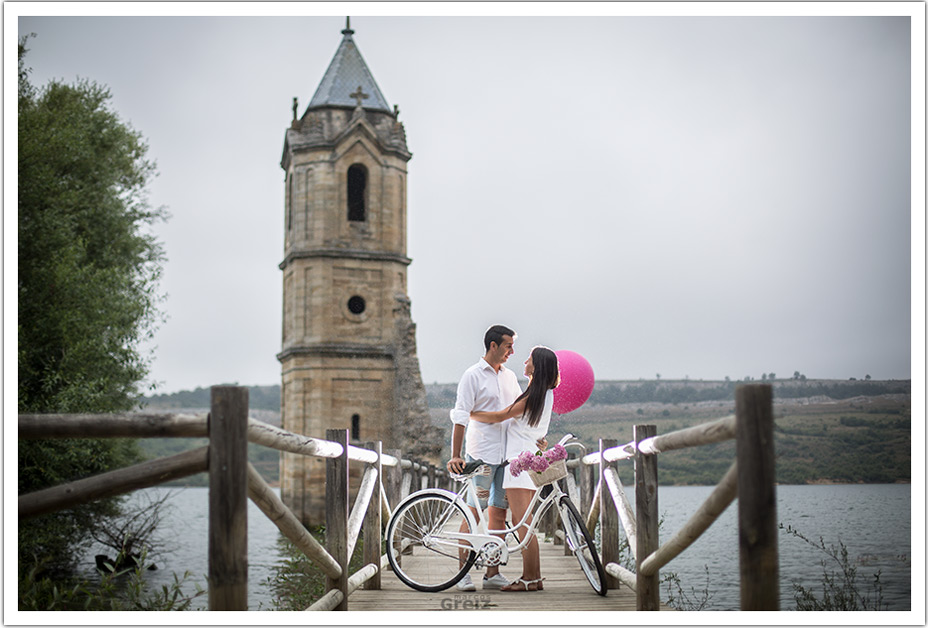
(466, 584)
(496, 582)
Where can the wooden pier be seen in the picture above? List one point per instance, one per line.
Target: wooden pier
(386, 478)
(565, 589)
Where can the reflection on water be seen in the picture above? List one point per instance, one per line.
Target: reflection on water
(873, 521)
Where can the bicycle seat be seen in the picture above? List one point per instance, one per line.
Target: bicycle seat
(470, 469)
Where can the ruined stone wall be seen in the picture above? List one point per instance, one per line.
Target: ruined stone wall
(416, 435)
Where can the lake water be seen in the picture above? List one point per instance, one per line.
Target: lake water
(872, 520)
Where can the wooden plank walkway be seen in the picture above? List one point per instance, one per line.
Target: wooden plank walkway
(566, 589)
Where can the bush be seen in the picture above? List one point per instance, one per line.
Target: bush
(297, 582)
(123, 590)
(840, 590)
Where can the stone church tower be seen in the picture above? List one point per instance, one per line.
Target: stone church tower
(348, 356)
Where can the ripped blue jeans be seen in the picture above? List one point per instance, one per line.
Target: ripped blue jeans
(489, 487)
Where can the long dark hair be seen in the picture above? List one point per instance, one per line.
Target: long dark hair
(545, 377)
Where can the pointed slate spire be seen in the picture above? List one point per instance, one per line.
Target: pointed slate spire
(347, 76)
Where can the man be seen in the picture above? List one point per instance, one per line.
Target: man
(489, 386)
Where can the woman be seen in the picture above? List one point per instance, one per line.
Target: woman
(533, 409)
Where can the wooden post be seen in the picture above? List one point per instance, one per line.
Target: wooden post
(419, 474)
(393, 479)
(228, 498)
(394, 487)
(406, 485)
(608, 517)
(373, 530)
(587, 486)
(757, 498)
(647, 587)
(336, 514)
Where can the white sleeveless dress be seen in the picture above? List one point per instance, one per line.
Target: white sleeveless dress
(520, 437)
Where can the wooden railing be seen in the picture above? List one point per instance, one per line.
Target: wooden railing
(750, 478)
(386, 479)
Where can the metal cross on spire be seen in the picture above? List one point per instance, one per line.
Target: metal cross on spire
(348, 30)
(359, 95)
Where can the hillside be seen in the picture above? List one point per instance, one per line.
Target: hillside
(826, 430)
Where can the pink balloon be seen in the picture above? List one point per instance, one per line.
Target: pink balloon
(576, 382)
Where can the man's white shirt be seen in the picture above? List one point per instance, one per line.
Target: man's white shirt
(482, 388)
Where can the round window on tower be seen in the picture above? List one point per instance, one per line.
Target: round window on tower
(356, 305)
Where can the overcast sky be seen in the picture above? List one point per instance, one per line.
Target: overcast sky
(691, 196)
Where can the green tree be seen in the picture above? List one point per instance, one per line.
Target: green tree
(88, 273)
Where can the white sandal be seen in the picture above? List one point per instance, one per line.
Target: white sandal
(524, 583)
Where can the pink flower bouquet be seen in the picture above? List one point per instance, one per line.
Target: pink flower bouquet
(537, 462)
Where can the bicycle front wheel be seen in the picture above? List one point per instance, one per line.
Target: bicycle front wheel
(581, 544)
(419, 547)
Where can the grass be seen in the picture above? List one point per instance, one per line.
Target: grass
(297, 583)
(857, 440)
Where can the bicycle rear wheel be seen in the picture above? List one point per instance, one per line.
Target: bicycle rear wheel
(581, 544)
(419, 548)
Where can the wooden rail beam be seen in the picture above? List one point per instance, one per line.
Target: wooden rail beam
(705, 516)
(613, 454)
(361, 455)
(282, 440)
(696, 436)
(228, 498)
(592, 517)
(385, 510)
(369, 483)
(143, 475)
(331, 600)
(393, 480)
(274, 508)
(129, 425)
(623, 575)
(623, 508)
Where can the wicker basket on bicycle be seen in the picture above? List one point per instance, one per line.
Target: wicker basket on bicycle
(553, 473)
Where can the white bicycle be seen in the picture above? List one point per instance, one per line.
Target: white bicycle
(433, 539)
